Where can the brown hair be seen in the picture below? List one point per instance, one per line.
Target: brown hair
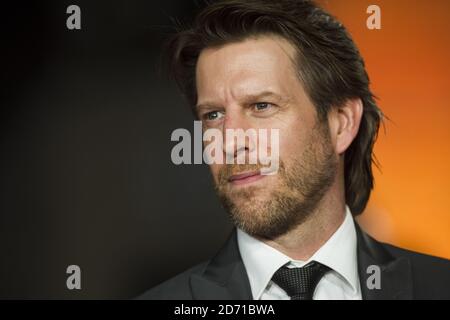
(329, 66)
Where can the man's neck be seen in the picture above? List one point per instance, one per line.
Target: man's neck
(304, 240)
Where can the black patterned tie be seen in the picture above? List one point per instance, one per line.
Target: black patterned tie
(300, 283)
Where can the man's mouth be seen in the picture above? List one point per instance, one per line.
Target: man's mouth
(246, 177)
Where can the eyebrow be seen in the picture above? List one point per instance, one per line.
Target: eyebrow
(246, 98)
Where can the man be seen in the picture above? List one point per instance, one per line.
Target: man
(289, 65)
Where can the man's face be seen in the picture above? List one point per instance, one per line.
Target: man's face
(253, 85)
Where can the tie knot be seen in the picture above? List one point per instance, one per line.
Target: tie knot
(300, 283)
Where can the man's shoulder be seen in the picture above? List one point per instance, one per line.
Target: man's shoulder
(420, 261)
(431, 274)
(176, 288)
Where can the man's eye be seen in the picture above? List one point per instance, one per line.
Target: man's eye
(261, 106)
(213, 115)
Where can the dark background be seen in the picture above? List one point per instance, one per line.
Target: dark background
(86, 174)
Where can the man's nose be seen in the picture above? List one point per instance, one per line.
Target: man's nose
(239, 137)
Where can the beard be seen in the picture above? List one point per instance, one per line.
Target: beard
(272, 210)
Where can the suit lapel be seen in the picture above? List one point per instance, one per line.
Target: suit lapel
(395, 273)
(225, 277)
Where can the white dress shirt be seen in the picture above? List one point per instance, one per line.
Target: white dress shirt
(339, 253)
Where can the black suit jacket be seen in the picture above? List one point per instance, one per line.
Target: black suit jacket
(404, 275)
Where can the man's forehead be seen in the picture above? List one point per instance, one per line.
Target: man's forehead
(264, 49)
(249, 69)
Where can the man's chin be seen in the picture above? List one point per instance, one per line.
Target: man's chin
(251, 216)
(249, 201)
(267, 217)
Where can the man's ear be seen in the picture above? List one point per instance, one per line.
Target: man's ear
(344, 124)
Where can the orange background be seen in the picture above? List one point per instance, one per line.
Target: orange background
(408, 64)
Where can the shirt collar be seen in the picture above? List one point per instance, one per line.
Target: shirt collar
(339, 253)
